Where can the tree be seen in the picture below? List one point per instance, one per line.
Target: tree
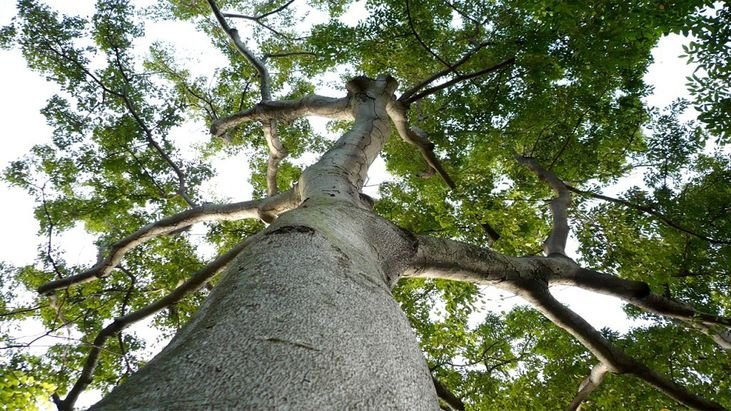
(508, 122)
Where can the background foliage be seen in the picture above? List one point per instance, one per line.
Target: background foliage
(572, 99)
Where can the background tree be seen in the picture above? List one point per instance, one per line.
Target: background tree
(522, 113)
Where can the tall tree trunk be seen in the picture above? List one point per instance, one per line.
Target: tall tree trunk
(304, 318)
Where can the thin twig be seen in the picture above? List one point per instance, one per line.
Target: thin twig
(663, 218)
(148, 134)
(290, 53)
(49, 242)
(458, 79)
(414, 89)
(419, 39)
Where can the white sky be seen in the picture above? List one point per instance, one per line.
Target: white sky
(25, 93)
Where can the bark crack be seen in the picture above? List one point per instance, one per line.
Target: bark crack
(294, 343)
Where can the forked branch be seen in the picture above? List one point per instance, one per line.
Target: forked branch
(276, 150)
(258, 19)
(530, 277)
(415, 89)
(265, 209)
(286, 110)
(616, 360)
(457, 79)
(192, 284)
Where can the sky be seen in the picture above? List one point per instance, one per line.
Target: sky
(25, 93)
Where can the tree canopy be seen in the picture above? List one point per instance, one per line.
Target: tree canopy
(511, 122)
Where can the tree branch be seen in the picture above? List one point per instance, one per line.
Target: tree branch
(276, 151)
(616, 360)
(265, 209)
(258, 19)
(663, 218)
(419, 39)
(233, 34)
(590, 383)
(627, 291)
(289, 54)
(397, 111)
(120, 323)
(529, 277)
(182, 189)
(456, 80)
(453, 260)
(49, 241)
(447, 396)
(287, 110)
(556, 241)
(414, 89)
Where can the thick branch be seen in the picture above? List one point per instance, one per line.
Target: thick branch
(556, 241)
(343, 169)
(447, 396)
(120, 323)
(616, 360)
(529, 277)
(397, 111)
(265, 81)
(456, 80)
(276, 151)
(590, 383)
(453, 260)
(265, 209)
(287, 110)
(648, 210)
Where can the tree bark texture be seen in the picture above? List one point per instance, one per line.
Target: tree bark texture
(303, 319)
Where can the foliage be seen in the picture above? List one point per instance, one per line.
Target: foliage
(711, 51)
(572, 99)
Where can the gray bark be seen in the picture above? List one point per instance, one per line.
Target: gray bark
(304, 317)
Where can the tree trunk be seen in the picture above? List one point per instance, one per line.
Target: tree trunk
(302, 319)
